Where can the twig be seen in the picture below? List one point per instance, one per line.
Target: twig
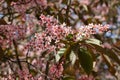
(17, 56)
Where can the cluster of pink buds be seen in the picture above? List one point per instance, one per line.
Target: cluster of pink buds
(56, 70)
(88, 30)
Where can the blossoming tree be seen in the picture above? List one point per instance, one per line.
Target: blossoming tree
(45, 40)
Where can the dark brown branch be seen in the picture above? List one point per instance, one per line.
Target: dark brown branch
(17, 56)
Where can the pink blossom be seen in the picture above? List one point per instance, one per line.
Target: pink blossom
(10, 33)
(49, 38)
(40, 78)
(85, 77)
(53, 32)
(22, 6)
(84, 2)
(42, 3)
(101, 9)
(88, 30)
(24, 74)
(106, 45)
(56, 70)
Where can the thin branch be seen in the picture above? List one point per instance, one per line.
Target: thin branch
(17, 56)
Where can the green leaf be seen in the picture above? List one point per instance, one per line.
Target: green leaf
(65, 1)
(67, 52)
(59, 54)
(69, 78)
(69, 37)
(33, 72)
(93, 41)
(109, 52)
(108, 55)
(17, 78)
(86, 60)
(72, 58)
(85, 7)
(109, 64)
(113, 55)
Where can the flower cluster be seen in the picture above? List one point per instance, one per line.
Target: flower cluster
(35, 47)
(56, 70)
(8, 33)
(88, 30)
(25, 75)
(49, 38)
(22, 6)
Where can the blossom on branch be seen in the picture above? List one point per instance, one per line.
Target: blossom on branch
(49, 38)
